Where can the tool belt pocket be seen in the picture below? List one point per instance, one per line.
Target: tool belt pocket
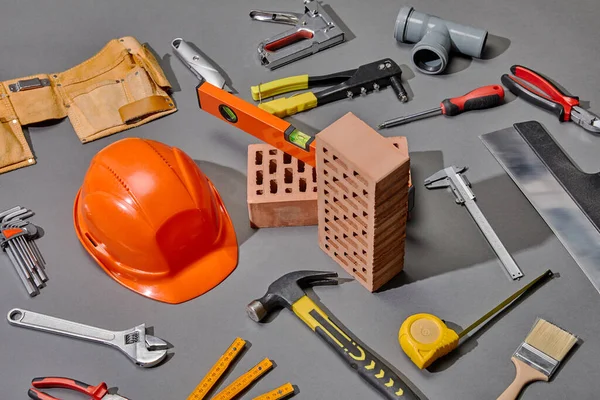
(14, 149)
(115, 90)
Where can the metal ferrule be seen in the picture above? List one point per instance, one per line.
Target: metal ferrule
(536, 359)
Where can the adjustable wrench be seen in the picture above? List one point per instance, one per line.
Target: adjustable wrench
(144, 350)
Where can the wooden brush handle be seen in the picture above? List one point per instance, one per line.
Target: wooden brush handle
(524, 375)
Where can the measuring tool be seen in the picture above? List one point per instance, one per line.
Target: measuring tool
(215, 373)
(237, 112)
(280, 393)
(478, 99)
(453, 178)
(241, 383)
(425, 338)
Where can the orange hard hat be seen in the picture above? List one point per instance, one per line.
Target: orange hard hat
(154, 222)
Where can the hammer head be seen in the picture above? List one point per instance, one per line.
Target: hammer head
(286, 290)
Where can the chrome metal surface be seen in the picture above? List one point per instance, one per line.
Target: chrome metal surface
(200, 66)
(572, 227)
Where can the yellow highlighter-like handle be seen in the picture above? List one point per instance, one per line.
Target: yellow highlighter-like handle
(279, 86)
(425, 338)
(368, 366)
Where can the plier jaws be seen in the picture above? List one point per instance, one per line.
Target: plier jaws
(539, 90)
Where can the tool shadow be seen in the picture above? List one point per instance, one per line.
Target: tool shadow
(470, 343)
(441, 235)
(232, 187)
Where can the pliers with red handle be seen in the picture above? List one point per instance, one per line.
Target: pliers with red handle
(538, 90)
(99, 392)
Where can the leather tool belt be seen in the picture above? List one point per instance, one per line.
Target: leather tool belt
(119, 88)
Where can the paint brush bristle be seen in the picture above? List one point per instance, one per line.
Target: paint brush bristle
(550, 339)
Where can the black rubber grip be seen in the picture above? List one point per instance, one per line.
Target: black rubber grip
(479, 103)
(519, 90)
(398, 88)
(584, 188)
(369, 367)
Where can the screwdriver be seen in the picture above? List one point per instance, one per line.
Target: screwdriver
(425, 338)
(478, 99)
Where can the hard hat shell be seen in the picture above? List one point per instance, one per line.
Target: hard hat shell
(154, 222)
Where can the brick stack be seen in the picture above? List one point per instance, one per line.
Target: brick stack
(362, 200)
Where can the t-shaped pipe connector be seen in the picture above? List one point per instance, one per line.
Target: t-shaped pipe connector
(434, 38)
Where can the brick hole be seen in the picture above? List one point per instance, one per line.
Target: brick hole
(273, 152)
(325, 172)
(339, 204)
(259, 192)
(327, 230)
(327, 211)
(360, 178)
(345, 237)
(335, 237)
(396, 145)
(326, 246)
(314, 175)
(330, 166)
(364, 233)
(288, 176)
(259, 177)
(335, 157)
(335, 218)
(358, 274)
(300, 166)
(335, 179)
(339, 162)
(287, 159)
(345, 197)
(288, 190)
(273, 185)
(365, 193)
(365, 214)
(342, 260)
(272, 167)
(302, 184)
(325, 150)
(364, 252)
(360, 200)
(364, 270)
(326, 201)
(258, 158)
(315, 189)
(326, 192)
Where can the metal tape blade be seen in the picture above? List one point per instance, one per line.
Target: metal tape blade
(568, 222)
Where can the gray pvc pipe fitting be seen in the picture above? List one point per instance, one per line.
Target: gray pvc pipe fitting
(435, 38)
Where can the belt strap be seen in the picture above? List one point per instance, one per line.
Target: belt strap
(139, 109)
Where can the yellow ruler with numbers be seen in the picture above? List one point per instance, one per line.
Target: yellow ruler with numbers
(245, 380)
(277, 394)
(217, 370)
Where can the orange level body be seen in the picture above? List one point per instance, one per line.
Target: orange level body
(259, 123)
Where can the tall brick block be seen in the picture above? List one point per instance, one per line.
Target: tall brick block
(362, 182)
(282, 190)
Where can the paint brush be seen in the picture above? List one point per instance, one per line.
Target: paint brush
(538, 357)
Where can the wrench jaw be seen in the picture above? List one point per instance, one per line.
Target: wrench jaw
(144, 350)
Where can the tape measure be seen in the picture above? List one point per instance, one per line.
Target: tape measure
(425, 337)
(245, 380)
(218, 370)
(280, 393)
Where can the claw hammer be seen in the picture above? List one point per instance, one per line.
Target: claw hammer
(287, 292)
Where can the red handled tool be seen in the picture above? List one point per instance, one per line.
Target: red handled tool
(536, 89)
(478, 99)
(99, 392)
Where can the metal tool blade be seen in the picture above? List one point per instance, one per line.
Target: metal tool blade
(572, 227)
(199, 65)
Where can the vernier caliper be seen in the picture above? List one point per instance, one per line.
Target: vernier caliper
(453, 178)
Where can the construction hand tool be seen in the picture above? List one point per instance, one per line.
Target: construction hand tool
(347, 84)
(539, 356)
(144, 350)
(281, 392)
(313, 31)
(564, 196)
(237, 112)
(17, 239)
(478, 99)
(537, 89)
(233, 390)
(215, 373)
(287, 292)
(99, 392)
(454, 178)
(425, 337)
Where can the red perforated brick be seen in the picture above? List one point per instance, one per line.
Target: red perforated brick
(363, 200)
(282, 190)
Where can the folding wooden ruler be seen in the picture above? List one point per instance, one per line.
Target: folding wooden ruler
(241, 383)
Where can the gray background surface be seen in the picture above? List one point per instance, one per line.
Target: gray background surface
(449, 269)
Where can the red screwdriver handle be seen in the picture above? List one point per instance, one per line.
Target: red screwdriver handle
(478, 99)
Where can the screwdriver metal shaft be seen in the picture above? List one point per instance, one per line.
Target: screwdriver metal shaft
(409, 118)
